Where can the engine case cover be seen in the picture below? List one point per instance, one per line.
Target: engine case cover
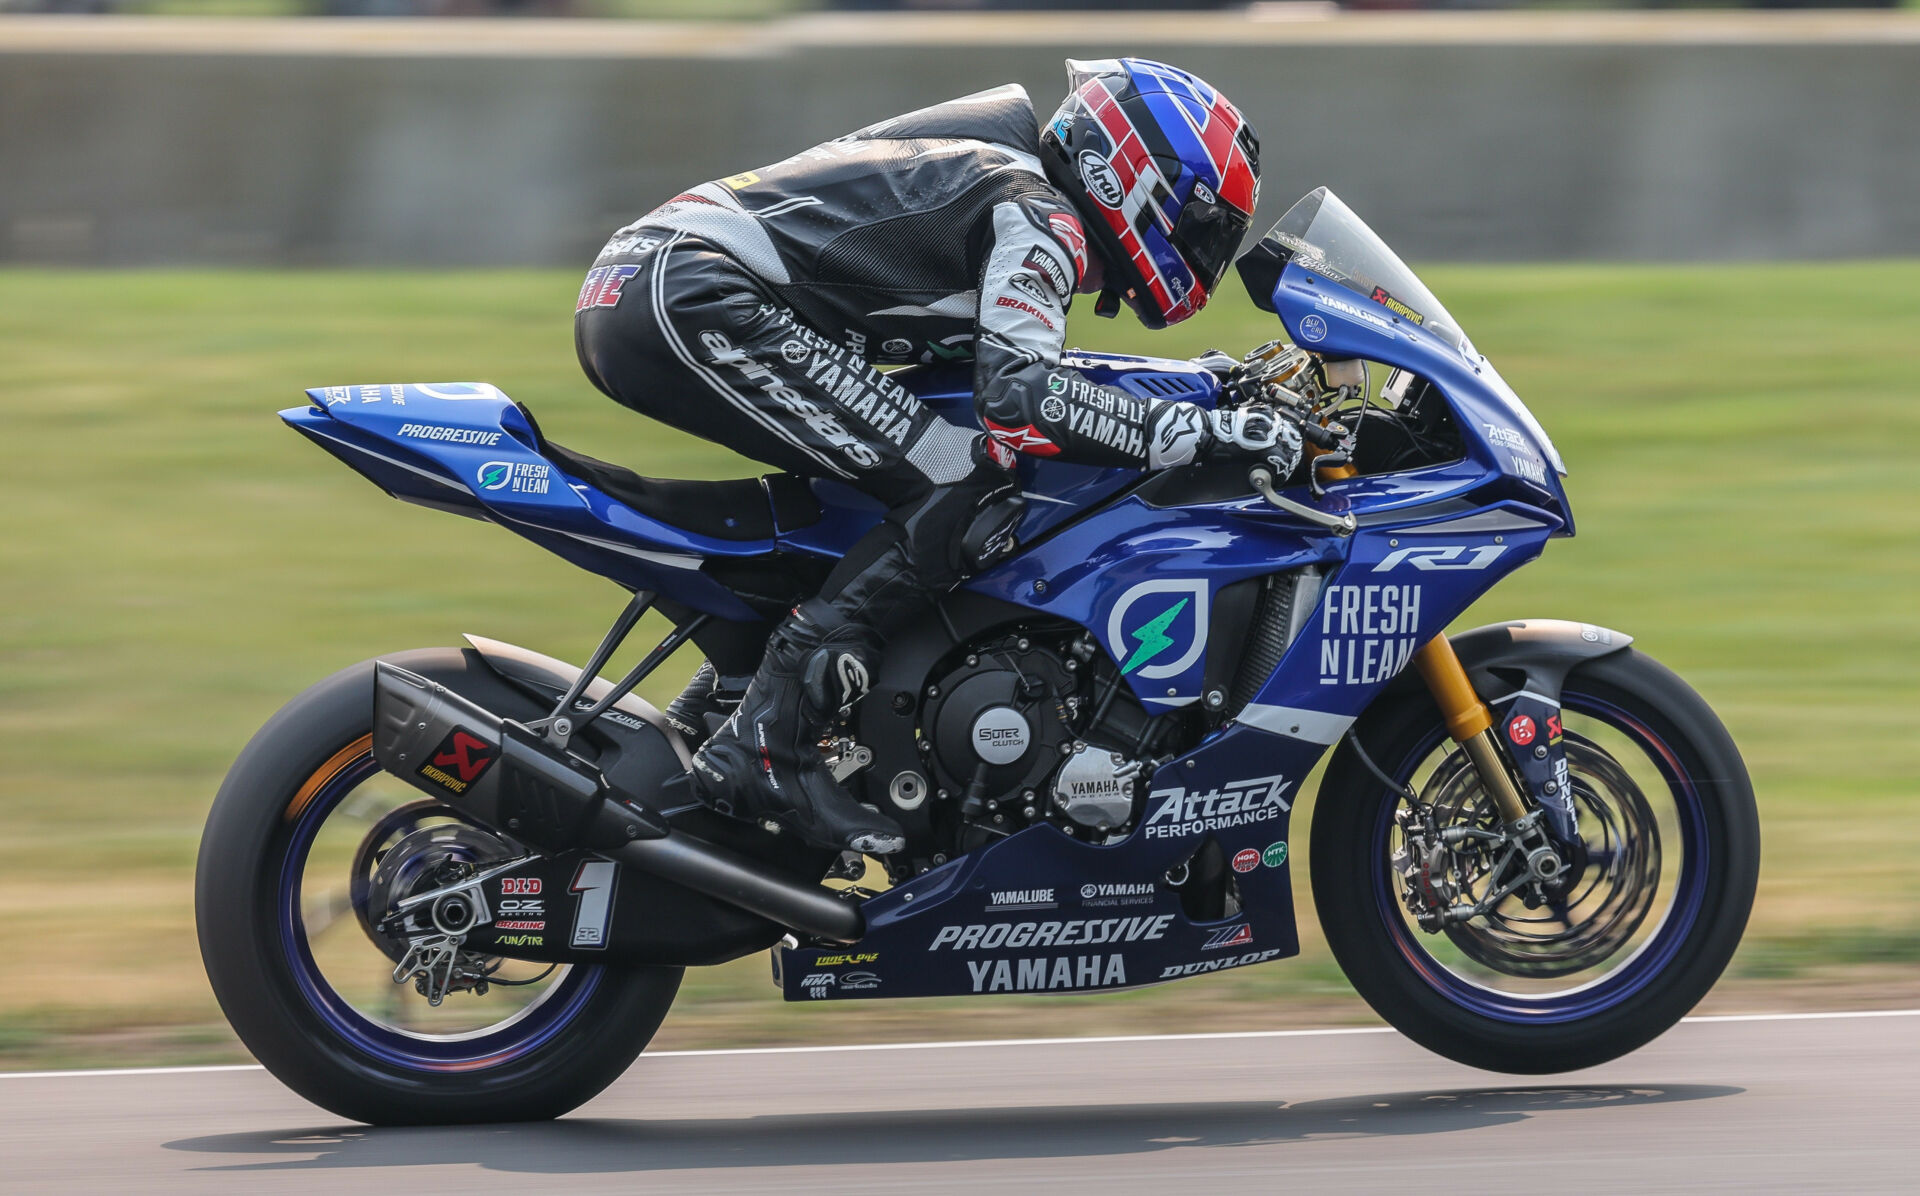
(1095, 788)
(1004, 708)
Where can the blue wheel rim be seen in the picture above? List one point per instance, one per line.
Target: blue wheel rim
(512, 1039)
(1648, 961)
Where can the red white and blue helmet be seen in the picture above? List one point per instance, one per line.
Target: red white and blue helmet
(1165, 173)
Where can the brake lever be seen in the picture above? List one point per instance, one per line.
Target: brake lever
(1262, 479)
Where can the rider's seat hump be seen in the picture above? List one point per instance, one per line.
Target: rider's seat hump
(735, 509)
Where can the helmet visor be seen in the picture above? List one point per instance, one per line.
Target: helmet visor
(1207, 235)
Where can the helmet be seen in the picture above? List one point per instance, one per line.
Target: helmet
(1164, 172)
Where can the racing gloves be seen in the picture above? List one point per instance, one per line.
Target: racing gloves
(1184, 434)
(1252, 432)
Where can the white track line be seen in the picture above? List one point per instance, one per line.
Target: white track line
(1802, 1017)
(985, 1042)
(128, 1071)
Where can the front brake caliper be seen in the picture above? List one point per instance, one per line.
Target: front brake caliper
(1422, 865)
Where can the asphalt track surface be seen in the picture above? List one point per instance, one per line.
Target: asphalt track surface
(1806, 1103)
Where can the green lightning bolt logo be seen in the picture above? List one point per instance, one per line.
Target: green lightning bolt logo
(1153, 637)
(493, 477)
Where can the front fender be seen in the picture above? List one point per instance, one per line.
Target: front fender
(1518, 670)
(1538, 652)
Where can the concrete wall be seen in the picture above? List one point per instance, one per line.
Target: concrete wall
(1696, 136)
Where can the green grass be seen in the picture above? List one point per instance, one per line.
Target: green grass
(175, 564)
(647, 10)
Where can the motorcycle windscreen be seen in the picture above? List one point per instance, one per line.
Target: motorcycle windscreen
(1322, 234)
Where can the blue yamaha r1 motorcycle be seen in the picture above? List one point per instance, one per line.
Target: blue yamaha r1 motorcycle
(461, 884)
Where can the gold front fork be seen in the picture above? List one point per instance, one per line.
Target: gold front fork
(1469, 722)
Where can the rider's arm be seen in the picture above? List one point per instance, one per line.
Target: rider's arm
(1027, 399)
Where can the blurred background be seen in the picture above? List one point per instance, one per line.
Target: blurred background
(1690, 239)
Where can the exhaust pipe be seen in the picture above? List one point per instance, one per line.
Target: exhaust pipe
(509, 778)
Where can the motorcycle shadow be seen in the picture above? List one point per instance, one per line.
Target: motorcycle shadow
(589, 1146)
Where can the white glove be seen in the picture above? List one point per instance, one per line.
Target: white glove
(1251, 432)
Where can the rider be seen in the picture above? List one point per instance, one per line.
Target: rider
(751, 310)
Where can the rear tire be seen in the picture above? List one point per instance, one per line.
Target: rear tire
(555, 1062)
(1653, 987)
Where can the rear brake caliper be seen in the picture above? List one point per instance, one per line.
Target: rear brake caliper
(429, 888)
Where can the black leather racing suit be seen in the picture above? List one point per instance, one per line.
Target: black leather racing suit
(751, 310)
(932, 236)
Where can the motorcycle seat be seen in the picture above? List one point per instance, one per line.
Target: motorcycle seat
(734, 509)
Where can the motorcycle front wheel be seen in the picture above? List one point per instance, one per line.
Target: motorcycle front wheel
(1655, 903)
(305, 835)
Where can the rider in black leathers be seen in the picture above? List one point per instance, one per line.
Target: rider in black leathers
(752, 311)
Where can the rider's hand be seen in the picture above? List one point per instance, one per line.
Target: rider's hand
(1252, 432)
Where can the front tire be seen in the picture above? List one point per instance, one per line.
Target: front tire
(539, 1062)
(1535, 1019)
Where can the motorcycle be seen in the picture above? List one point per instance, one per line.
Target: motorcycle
(462, 884)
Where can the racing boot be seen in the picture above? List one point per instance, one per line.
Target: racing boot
(765, 764)
(704, 704)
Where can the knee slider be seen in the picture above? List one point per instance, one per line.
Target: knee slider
(988, 538)
(955, 530)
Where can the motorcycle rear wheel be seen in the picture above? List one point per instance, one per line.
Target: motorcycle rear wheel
(1662, 782)
(539, 1059)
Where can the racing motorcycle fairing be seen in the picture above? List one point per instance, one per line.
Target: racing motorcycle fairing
(1144, 577)
(1342, 292)
(1042, 911)
(1145, 581)
(467, 448)
(1398, 587)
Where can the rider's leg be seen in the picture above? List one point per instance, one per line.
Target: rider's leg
(681, 332)
(765, 763)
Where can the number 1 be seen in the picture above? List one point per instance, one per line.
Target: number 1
(594, 882)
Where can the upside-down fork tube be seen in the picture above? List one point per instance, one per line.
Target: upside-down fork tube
(1469, 722)
(509, 778)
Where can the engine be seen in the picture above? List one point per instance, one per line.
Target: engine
(1033, 726)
